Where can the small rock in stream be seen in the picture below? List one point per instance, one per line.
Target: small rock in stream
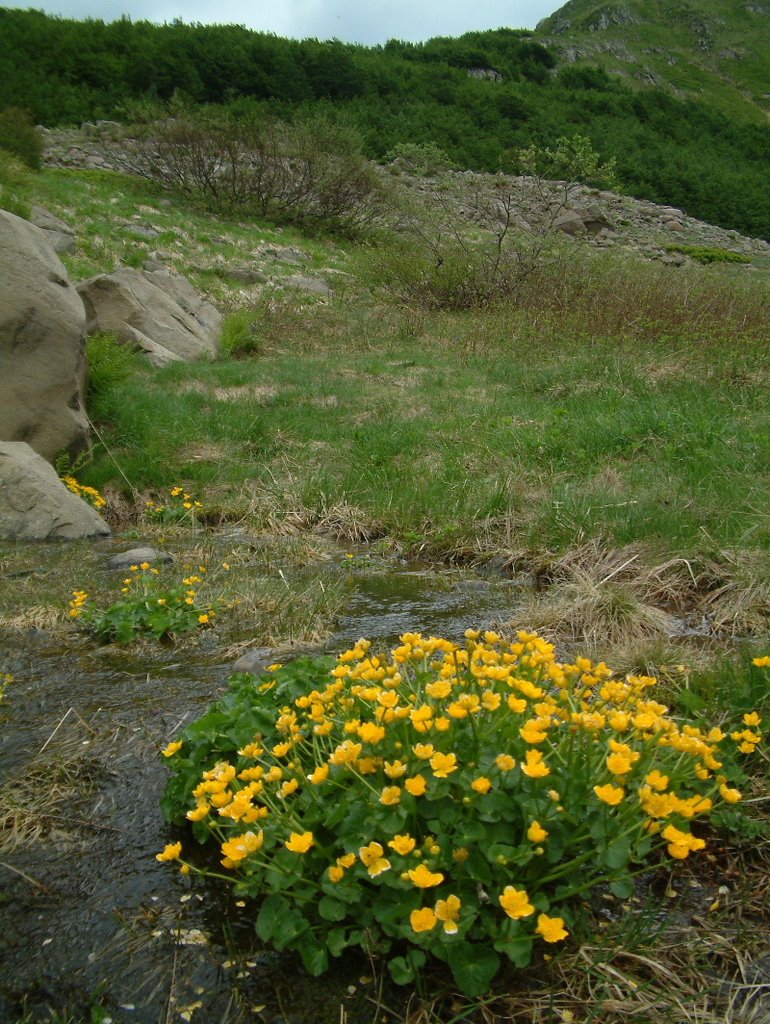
(138, 555)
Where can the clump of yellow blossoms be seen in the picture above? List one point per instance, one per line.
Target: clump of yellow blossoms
(181, 507)
(89, 494)
(459, 798)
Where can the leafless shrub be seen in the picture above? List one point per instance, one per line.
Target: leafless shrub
(311, 173)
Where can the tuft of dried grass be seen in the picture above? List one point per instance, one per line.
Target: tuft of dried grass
(601, 597)
(738, 598)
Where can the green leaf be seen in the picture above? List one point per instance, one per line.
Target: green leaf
(270, 914)
(618, 852)
(403, 969)
(314, 957)
(518, 949)
(622, 888)
(331, 909)
(473, 967)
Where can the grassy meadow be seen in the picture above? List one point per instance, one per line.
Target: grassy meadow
(603, 437)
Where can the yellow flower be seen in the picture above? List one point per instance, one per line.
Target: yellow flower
(424, 878)
(535, 768)
(505, 762)
(395, 769)
(751, 718)
(423, 920)
(423, 750)
(416, 785)
(145, 565)
(443, 765)
(299, 842)
(390, 796)
(239, 848)
(732, 796)
(551, 928)
(402, 844)
(319, 775)
(515, 903)
(373, 860)
(199, 813)
(172, 748)
(610, 794)
(763, 662)
(618, 764)
(681, 844)
(289, 787)
(536, 833)
(448, 912)
(371, 733)
(171, 851)
(481, 785)
(657, 780)
(336, 873)
(347, 860)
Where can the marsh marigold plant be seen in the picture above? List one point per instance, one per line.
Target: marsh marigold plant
(443, 799)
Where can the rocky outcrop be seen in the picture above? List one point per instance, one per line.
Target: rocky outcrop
(154, 310)
(35, 504)
(42, 344)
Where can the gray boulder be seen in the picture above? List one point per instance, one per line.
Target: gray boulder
(154, 310)
(43, 366)
(35, 504)
(59, 234)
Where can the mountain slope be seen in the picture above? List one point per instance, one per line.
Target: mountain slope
(716, 51)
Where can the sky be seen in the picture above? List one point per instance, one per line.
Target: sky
(353, 21)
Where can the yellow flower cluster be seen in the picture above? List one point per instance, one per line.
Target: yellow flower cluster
(79, 598)
(89, 494)
(473, 721)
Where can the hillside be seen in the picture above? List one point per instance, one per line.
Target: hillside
(480, 98)
(714, 51)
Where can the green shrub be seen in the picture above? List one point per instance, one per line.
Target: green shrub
(423, 158)
(14, 179)
(109, 364)
(19, 136)
(702, 254)
(442, 800)
(240, 335)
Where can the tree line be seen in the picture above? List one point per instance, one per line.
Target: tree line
(685, 154)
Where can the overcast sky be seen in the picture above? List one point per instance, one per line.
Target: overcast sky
(355, 21)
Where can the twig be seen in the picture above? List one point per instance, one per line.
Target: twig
(61, 723)
(29, 878)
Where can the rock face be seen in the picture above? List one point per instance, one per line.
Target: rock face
(43, 366)
(154, 310)
(35, 504)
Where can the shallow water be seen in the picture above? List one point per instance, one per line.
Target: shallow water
(86, 913)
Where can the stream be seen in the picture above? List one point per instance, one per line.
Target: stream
(93, 928)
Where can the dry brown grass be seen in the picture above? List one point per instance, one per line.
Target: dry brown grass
(602, 598)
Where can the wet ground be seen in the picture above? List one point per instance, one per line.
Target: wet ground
(88, 918)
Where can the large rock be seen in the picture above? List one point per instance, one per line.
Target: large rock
(42, 345)
(154, 310)
(35, 504)
(59, 234)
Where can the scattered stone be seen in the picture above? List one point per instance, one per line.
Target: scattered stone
(43, 366)
(136, 556)
(36, 505)
(142, 231)
(245, 275)
(157, 311)
(311, 285)
(255, 660)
